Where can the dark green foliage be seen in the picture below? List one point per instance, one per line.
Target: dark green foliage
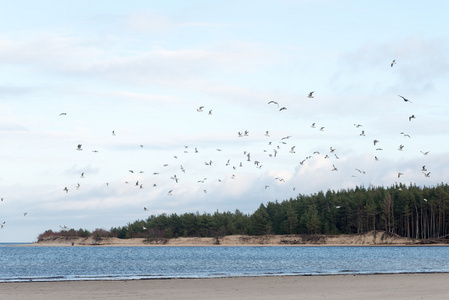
(408, 211)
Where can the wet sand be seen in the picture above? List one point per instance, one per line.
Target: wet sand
(396, 286)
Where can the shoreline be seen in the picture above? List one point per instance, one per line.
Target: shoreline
(373, 238)
(375, 286)
(119, 279)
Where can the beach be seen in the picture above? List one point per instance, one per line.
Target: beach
(395, 286)
(372, 238)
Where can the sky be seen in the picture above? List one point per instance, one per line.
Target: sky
(126, 80)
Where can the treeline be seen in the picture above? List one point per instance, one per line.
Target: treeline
(408, 211)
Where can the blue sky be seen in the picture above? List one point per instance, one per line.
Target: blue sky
(143, 68)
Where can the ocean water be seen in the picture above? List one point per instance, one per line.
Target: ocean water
(114, 263)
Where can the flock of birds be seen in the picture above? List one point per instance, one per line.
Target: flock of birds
(247, 158)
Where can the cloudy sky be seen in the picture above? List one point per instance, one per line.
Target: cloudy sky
(142, 69)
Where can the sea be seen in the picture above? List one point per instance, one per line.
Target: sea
(18, 264)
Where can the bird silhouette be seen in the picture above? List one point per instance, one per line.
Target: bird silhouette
(405, 99)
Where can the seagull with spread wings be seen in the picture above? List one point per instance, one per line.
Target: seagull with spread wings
(405, 99)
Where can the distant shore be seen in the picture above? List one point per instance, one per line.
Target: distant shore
(372, 238)
(394, 286)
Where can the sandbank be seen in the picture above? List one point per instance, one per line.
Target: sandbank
(373, 238)
(395, 286)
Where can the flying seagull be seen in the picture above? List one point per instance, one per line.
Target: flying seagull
(63, 114)
(393, 63)
(200, 109)
(411, 117)
(405, 99)
(79, 147)
(274, 102)
(310, 94)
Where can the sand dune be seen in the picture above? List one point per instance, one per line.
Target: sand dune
(373, 238)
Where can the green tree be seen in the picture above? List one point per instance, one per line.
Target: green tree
(259, 221)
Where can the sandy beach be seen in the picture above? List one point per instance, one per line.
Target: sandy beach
(372, 238)
(397, 286)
